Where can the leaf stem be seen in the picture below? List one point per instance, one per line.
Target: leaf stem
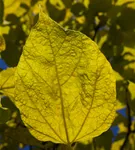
(66, 147)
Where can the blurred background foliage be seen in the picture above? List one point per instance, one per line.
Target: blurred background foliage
(111, 24)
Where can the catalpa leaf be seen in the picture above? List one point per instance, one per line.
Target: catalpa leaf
(65, 87)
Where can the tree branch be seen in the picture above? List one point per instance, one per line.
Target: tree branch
(128, 117)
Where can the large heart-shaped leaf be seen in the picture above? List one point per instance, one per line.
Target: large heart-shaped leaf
(65, 87)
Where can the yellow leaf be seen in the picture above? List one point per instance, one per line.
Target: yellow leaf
(86, 3)
(131, 89)
(11, 6)
(65, 87)
(2, 43)
(7, 82)
(81, 19)
(121, 2)
(130, 3)
(127, 65)
(122, 128)
(117, 145)
(14, 7)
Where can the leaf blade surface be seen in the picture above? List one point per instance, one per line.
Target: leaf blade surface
(65, 87)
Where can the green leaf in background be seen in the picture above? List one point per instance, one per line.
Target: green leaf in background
(64, 86)
(12, 128)
(78, 9)
(55, 12)
(4, 115)
(100, 5)
(68, 3)
(1, 11)
(100, 141)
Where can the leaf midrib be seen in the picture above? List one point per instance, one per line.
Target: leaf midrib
(60, 90)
